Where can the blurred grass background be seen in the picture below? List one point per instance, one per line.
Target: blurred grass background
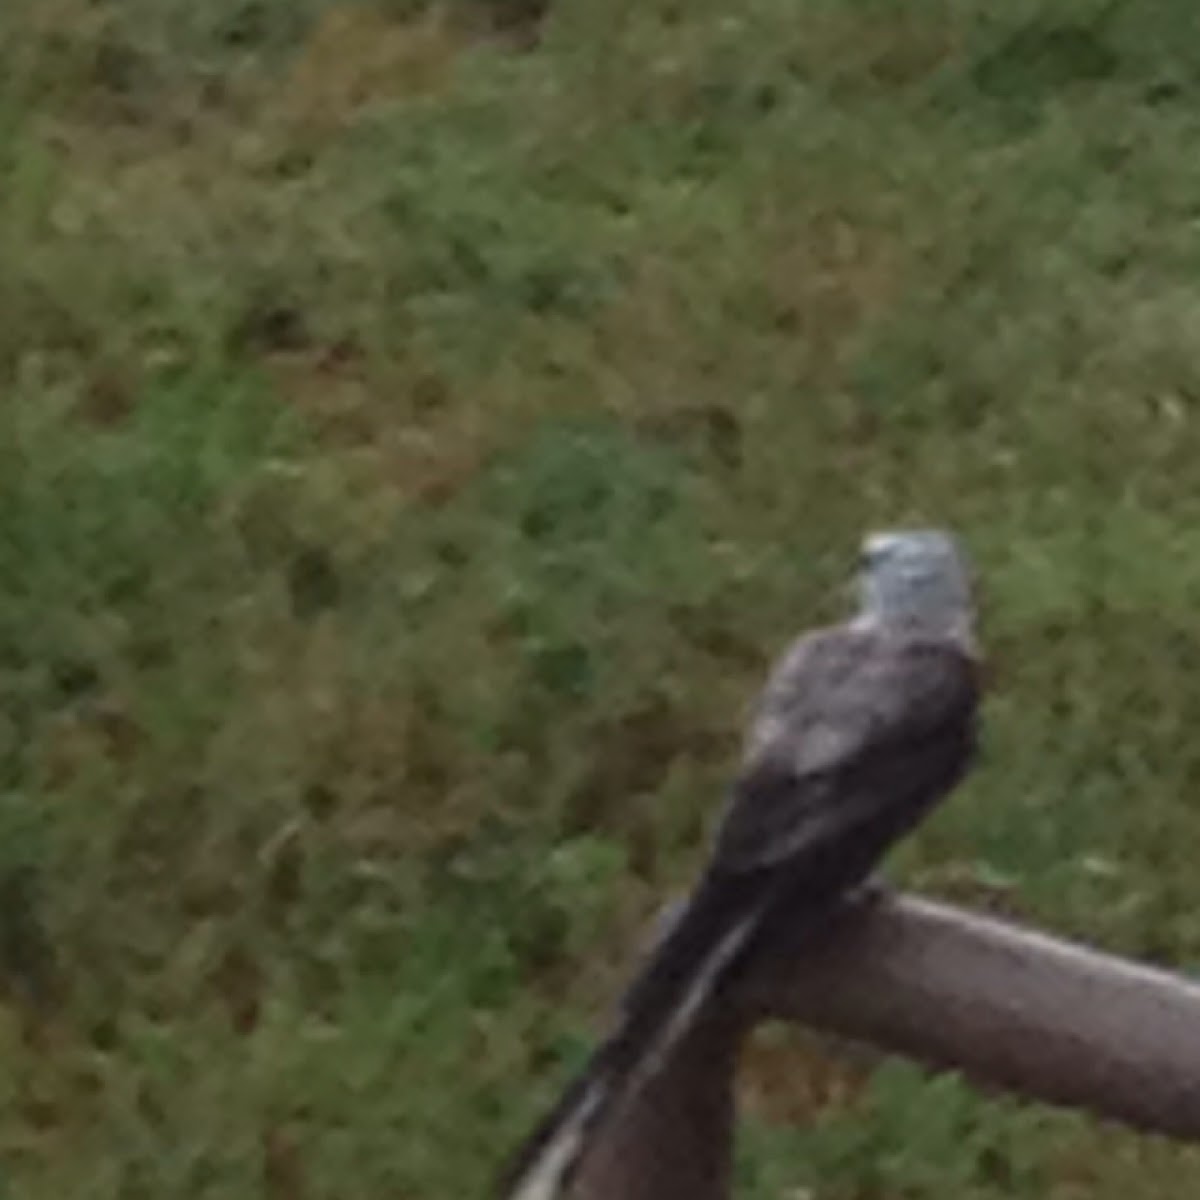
(421, 427)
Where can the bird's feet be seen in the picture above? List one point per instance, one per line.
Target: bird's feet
(872, 891)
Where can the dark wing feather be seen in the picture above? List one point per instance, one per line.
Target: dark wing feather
(858, 730)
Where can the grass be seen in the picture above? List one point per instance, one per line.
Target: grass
(418, 436)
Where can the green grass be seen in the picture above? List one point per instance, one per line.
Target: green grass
(415, 445)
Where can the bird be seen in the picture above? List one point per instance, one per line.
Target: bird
(861, 729)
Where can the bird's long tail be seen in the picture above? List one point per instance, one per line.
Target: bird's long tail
(661, 1005)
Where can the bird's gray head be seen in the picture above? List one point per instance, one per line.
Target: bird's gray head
(918, 580)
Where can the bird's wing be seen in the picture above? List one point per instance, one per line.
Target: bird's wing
(856, 735)
(857, 730)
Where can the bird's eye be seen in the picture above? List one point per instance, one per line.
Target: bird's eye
(873, 552)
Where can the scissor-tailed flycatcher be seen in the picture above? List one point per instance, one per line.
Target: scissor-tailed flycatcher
(861, 729)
